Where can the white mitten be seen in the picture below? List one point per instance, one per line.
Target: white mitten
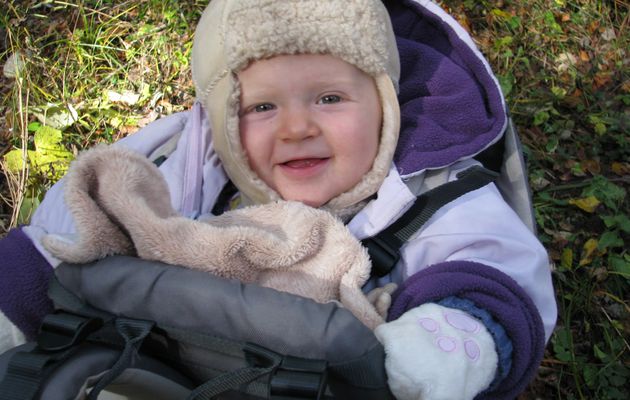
(437, 353)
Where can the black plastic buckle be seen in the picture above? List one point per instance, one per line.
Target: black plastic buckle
(384, 255)
(62, 330)
(299, 378)
(292, 378)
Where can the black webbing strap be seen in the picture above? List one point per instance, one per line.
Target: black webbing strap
(384, 248)
(26, 373)
(57, 340)
(134, 332)
(287, 378)
(228, 191)
(60, 336)
(261, 362)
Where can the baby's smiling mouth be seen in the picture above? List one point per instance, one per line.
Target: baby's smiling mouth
(304, 162)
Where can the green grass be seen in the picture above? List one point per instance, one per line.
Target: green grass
(563, 64)
(93, 70)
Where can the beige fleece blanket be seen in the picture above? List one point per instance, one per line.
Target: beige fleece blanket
(121, 205)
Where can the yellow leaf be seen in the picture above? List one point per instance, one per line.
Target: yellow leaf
(588, 251)
(47, 138)
(588, 204)
(566, 259)
(14, 160)
(620, 168)
(501, 13)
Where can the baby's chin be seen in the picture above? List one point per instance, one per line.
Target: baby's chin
(309, 201)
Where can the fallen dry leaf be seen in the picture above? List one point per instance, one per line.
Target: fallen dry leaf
(588, 251)
(14, 65)
(588, 204)
(620, 168)
(609, 34)
(602, 79)
(126, 97)
(592, 166)
(564, 61)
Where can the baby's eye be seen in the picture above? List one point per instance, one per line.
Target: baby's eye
(330, 99)
(263, 107)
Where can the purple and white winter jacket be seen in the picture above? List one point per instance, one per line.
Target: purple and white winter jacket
(474, 254)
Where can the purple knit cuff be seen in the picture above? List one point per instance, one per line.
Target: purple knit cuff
(24, 277)
(493, 291)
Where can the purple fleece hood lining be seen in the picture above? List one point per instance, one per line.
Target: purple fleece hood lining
(451, 105)
(24, 273)
(493, 291)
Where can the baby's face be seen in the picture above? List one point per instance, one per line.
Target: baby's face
(310, 125)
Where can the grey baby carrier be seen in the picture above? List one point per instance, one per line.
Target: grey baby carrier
(176, 333)
(148, 330)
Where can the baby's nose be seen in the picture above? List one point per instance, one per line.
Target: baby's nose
(297, 124)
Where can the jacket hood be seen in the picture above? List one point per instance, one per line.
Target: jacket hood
(451, 103)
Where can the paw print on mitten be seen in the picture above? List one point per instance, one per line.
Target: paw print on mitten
(465, 325)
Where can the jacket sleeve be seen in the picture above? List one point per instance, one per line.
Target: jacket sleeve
(495, 299)
(26, 266)
(477, 256)
(24, 277)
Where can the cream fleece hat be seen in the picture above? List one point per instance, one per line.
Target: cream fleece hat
(233, 33)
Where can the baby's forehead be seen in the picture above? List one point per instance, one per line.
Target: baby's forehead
(302, 71)
(319, 64)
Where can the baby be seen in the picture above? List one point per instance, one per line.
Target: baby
(301, 104)
(303, 107)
